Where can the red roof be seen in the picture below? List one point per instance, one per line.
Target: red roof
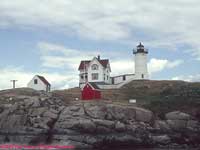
(43, 80)
(103, 62)
(83, 63)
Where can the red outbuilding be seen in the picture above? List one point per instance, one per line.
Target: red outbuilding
(90, 92)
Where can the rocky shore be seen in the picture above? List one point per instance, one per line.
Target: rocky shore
(30, 117)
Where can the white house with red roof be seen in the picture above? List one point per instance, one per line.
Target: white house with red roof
(39, 83)
(96, 70)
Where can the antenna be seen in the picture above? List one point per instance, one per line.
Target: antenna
(13, 81)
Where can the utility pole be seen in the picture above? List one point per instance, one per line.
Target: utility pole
(13, 81)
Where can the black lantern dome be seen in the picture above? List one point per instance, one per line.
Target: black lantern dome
(140, 49)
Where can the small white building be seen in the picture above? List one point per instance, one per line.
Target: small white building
(96, 70)
(39, 83)
(122, 78)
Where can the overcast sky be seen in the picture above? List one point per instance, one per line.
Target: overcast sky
(51, 37)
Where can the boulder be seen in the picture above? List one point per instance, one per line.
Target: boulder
(177, 124)
(144, 115)
(177, 115)
(117, 112)
(161, 139)
(97, 111)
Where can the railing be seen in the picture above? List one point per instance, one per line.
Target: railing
(140, 51)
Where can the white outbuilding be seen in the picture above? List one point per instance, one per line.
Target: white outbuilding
(39, 83)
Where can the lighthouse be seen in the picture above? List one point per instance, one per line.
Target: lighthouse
(141, 70)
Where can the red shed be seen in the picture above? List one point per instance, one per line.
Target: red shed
(90, 92)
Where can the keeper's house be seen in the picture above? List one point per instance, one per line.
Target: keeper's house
(96, 70)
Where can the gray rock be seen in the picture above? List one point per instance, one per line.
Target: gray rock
(41, 122)
(117, 112)
(177, 115)
(74, 111)
(103, 129)
(95, 111)
(193, 124)
(16, 121)
(120, 126)
(119, 139)
(162, 125)
(91, 140)
(87, 125)
(76, 144)
(54, 111)
(37, 111)
(177, 124)
(67, 123)
(32, 101)
(50, 114)
(105, 123)
(161, 139)
(144, 115)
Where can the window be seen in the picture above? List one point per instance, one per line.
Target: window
(95, 67)
(95, 76)
(113, 81)
(124, 78)
(81, 76)
(107, 77)
(142, 76)
(35, 81)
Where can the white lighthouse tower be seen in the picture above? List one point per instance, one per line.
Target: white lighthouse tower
(141, 71)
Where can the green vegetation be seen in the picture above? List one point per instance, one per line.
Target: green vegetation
(165, 96)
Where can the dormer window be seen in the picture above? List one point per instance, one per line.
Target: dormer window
(95, 67)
